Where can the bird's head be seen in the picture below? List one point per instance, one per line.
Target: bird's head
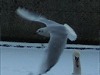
(43, 32)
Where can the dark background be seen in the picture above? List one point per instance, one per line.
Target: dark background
(82, 15)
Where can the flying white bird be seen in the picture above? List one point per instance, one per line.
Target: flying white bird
(76, 63)
(58, 34)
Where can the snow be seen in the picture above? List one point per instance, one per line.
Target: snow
(27, 61)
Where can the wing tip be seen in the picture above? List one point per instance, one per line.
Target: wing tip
(71, 33)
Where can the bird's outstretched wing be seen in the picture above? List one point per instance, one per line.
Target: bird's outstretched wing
(24, 13)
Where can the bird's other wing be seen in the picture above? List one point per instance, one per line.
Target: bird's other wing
(24, 13)
(71, 33)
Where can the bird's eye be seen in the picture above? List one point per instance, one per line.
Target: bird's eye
(41, 31)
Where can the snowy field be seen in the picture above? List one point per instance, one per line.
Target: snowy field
(25, 59)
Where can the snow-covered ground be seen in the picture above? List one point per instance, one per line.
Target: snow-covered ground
(25, 59)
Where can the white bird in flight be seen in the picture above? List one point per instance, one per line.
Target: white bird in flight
(58, 34)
